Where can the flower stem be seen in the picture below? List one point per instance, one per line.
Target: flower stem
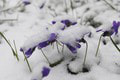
(85, 53)
(114, 44)
(110, 5)
(27, 62)
(16, 50)
(45, 57)
(98, 45)
(57, 47)
(63, 48)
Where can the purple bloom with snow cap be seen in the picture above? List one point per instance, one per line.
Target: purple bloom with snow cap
(68, 22)
(45, 71)
(73, 49)
(43, 44)
(114, 29)
(29, 52)
(51, 39)
(26, 2)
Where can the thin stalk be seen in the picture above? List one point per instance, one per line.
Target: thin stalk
(110, 5)
(27, 62)
(9, 45)
(53, 45)
(57, 47)
(45, 57)
(16, 50)
(114, 44)
(98, 45)
(85, 53)
(63, 48)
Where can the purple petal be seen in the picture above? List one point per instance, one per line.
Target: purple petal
(43, 44)
(53, 22)
(99, 30)
(21, 50)
(52, 37)
(71, 48)
(116, 26)
(78, 45)
(29, 52)
(45, 71)
(26, 2)
(68, 22)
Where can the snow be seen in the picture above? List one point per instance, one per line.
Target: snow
(33, 25)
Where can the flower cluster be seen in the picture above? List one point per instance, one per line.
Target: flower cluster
(61, 34)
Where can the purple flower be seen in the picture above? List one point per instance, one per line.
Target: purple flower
(43, 44)
(29, 52)
(45, 71)
(53, 22)
(114, 29)
(68, 22)
(77, 45)
(116, 25)
(71, 48)
(26, 2)
(52, 37)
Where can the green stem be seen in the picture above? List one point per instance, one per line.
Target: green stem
(98, 45)
(16, 50)
(27, 62)
(114, 44)
(9, 45)
(45, 57)
(85, 53)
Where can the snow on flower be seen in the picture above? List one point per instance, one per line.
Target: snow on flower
(111, 30)
(69, 36)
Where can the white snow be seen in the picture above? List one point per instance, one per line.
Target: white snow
(33, 25)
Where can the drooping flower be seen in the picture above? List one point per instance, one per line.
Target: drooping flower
(71, 48)
(45, 71)
(112, 30)
(68, 23)
(51, 39)
(29, 52)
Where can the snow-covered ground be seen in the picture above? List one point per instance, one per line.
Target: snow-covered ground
(31, 24)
